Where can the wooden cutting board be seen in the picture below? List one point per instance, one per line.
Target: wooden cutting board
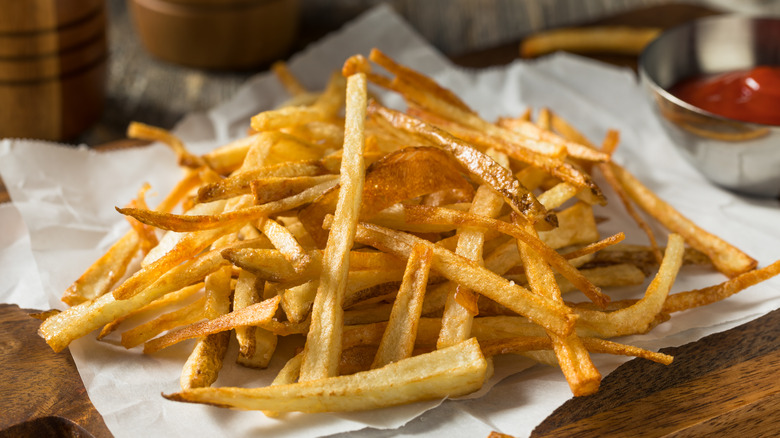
(41, 393)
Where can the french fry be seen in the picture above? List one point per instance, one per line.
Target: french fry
(545, 312)
(623, 40)
(639, 317)
(573, 357)
(145, 132)
(288, 80)
(164, 301)
(322, 348)
(59, 330)
(258, 314)
(193, 312)
(421, 213)
(449, 372)
(727, 259)
(690, 299)
(461, 305)
(398, 340)
(240, 183)
(105, 272)
(255, 344)
(204, 363)
(182, 223)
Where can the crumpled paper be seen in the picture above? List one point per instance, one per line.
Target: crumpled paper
(62, 218)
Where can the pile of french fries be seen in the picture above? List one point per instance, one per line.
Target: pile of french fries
(402, 249)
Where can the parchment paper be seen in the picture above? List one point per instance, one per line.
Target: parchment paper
(62, 218)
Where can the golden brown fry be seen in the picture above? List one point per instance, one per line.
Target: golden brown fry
(75, 322)
(183, 223)
(695, 298)
(573, 358)
(240, 183)
(323, 341)
(482, 167)
(258, 314)
(418, 80)
(623, 40)
(164, 301)
(419, 213)
(545, 312)
(551, 161)
(727, 259)
(396, 177)
(449, 372)
(105, 272)
(145, 132)
(188, 314)
(256, 345)
(204, 363)
(524, 344)
(639, 317)
(288, 80)
(399, 337)
(461, 305)
(595, 246)
(285, 242)
(269, 189)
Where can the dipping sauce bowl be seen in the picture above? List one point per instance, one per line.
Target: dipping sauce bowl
(738, 155)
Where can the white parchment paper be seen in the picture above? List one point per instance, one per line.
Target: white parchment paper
(62, 218)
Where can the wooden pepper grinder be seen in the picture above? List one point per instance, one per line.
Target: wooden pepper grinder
(53, 56)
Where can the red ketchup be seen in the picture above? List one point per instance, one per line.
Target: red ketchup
(746, 95)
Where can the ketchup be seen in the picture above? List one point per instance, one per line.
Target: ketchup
(746, 95)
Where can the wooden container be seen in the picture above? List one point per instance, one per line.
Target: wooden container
(216, 34)
(52, 67)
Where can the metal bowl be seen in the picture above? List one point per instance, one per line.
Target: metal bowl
(740, 156)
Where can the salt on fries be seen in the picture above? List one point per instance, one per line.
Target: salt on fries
(406, 248)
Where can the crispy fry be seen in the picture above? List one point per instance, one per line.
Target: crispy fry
(727, 259)
(461, 305)
(258, 314)
(399, 337)
(422, 213)
(146, 132)
(639, 317)
(449, 372)
(573, 358)
(182, 223)
(322, 349)
(622, 40)
(479, 165)
(545, 312)
(690, 299)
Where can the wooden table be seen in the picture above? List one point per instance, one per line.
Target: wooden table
(721, 385)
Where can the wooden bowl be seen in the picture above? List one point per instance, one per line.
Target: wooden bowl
(52, 67)
(216, 34)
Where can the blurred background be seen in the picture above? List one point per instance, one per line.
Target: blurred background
(474, 33)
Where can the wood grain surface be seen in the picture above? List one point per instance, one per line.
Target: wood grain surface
(722, 385)
(41, 392)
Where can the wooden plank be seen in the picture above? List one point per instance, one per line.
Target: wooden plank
(42, 393)
(720, 381)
